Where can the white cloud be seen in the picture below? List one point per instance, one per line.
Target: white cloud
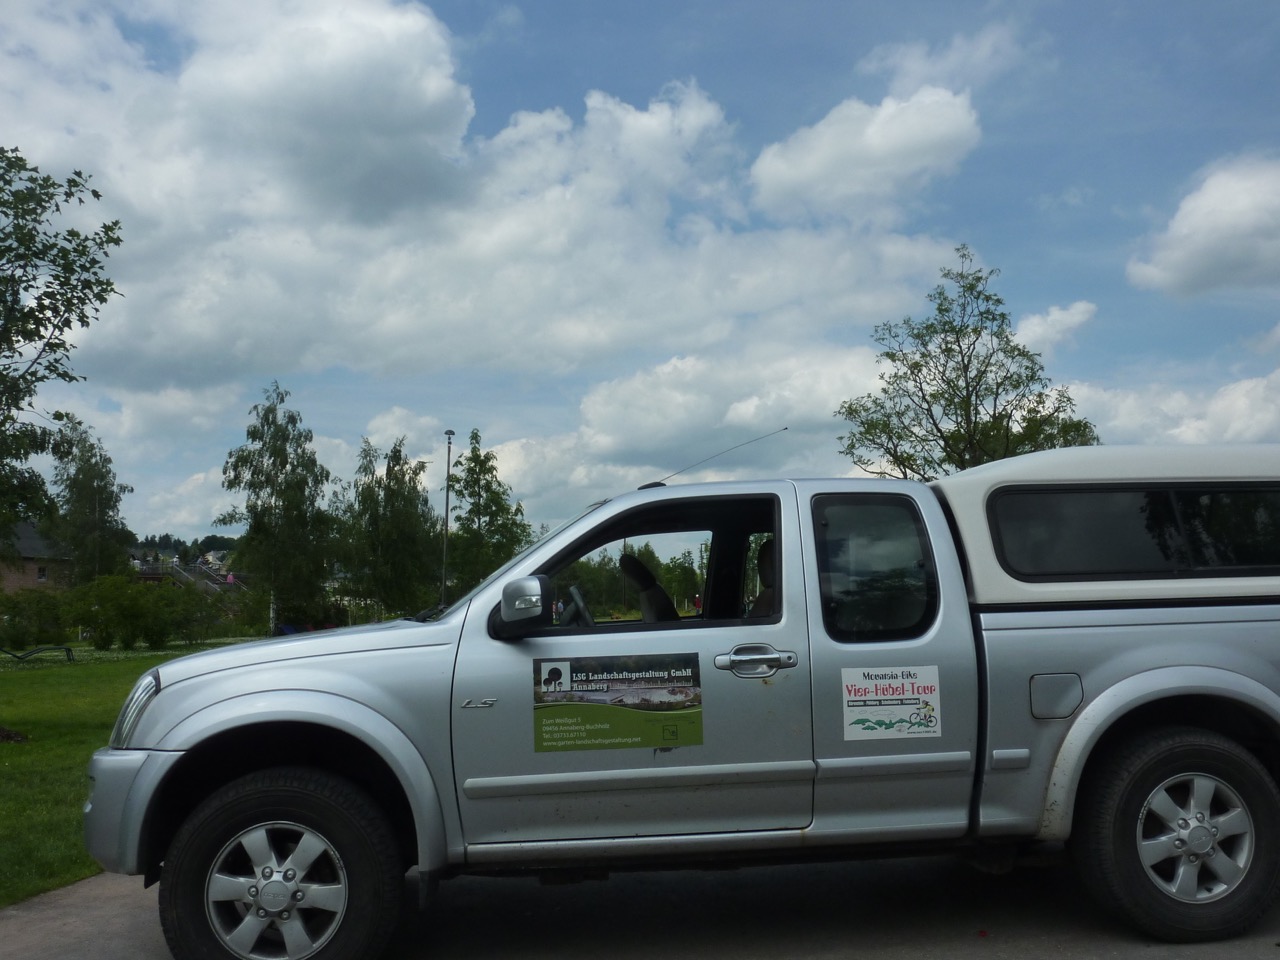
(859, 160)
(271, 225)
(1247, 411)
(1042, 332)
(352, 108)
(253, 176)
(726, 410)
(1271, 341)
(669, 414)
(1225, 234)
(189, 505)
(966, 62)
(1242, 411)
(419, 431)
(302, 202)
(609, 290)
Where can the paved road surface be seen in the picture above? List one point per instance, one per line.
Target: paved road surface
(896, 910)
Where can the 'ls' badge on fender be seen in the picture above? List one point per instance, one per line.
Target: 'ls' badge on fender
(486, 702)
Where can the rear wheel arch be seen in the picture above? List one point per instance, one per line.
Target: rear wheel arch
(1234, 720)
(1235, 706)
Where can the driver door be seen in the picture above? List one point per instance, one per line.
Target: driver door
(620, 726)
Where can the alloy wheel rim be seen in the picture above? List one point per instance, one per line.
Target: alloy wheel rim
(1195, 838)
(276, 891)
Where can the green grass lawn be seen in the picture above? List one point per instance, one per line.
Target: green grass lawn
(65, 711)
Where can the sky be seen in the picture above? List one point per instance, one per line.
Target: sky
(619, 238)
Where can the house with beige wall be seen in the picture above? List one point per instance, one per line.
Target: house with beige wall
(33, 562)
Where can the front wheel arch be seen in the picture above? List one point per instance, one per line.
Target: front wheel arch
(234, 753)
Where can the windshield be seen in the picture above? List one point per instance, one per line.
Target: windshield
(441, 612)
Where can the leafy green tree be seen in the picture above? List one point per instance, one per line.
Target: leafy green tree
(52, 281)
(957, 389)
(214, 542)
(166, 545)
(645, 553)
(287, 544)
(392, 537)
(680, 579)
(601, 583)
(87, 496)
(489, 528)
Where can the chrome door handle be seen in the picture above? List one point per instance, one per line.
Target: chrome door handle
(754, 660)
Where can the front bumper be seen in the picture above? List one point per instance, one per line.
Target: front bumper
(123, 786)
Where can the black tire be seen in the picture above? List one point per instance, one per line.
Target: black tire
(1176, 831)
(285, 863)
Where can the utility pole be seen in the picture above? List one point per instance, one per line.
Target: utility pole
(444, 555)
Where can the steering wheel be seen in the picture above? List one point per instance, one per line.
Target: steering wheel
(581, 614)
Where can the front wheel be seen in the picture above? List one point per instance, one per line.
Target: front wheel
(1178, 832)
(283, 864)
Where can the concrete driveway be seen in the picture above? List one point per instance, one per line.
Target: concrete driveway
(107, 917)
(890, 910)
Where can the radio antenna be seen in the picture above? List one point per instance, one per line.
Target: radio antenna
(658, 483)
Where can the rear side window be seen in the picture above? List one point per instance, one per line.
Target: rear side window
(1086, 533)
(1128, 532)
(876, 572)
(1233, 531)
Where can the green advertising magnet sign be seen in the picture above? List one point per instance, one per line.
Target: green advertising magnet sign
(607, 703)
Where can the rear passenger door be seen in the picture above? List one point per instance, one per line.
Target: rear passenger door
(895, 691)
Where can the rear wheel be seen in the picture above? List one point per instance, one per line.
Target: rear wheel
(287, 864)
(1177, 832)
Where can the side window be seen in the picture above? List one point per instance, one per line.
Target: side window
(1110, 533)
(649, 577)
(683, 560)
(1233, 531)
(1079, 534)
(760, 583)
(876, 573)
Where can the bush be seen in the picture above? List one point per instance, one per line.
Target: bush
(155, 607)
(252, 614)
(124, 611)
(30, 618)
(102, 608)
(204, 615)
(12, 634)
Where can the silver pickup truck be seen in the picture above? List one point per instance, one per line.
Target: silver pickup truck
(1078, 646)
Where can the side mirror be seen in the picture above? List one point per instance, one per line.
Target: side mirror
(526, 603)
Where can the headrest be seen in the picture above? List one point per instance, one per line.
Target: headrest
(635, 571)
(764, 563)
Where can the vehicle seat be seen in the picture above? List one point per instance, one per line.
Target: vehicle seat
(655, 604)
(763, 606)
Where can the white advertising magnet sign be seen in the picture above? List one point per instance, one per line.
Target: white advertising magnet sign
(891, 702)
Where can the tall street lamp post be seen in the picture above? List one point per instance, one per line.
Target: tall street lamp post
(448, 475)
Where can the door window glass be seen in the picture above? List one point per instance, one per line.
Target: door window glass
(687, 560)
(875, 570)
